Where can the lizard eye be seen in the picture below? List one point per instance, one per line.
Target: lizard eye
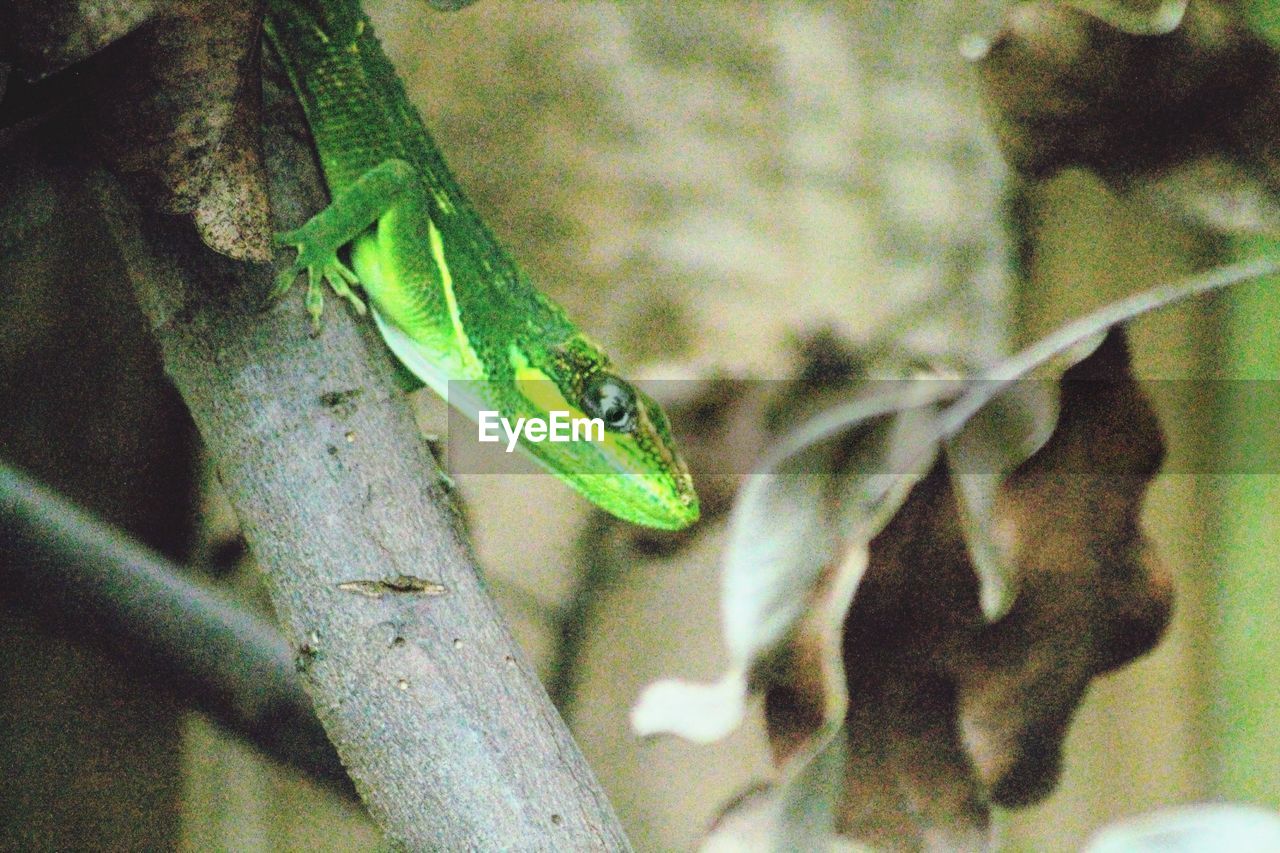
(611, 400)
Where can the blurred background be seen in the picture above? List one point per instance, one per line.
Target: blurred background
(702, 185)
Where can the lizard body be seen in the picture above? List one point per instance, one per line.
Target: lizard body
(449, 302)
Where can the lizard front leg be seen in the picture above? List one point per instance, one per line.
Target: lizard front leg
(317, 242)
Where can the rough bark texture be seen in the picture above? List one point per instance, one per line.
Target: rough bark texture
(435, 711)
(168, 94)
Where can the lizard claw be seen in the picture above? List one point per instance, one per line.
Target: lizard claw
(314, 300)
(321, 268)
(340, 280)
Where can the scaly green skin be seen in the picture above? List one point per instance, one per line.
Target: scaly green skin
(450, 304)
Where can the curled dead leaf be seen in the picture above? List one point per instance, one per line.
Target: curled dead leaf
(1147, 112)
(980, 457)
(167, 94)
(940, 711)
(849, 572)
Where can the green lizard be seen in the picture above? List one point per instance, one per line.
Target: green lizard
(449, 302)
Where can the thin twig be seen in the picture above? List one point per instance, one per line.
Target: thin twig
(92, 582)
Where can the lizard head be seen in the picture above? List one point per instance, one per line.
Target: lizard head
(624, 458)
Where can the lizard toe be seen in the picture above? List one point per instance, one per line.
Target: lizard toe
(314, 300)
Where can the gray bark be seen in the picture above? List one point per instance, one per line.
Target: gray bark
(438, 716)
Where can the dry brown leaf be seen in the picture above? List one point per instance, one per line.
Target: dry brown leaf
(232, 215)
(167, 92)
(861, 486)
(948, 712)
(1150, 112)
(1094, 594)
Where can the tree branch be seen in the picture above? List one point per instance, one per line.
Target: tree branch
(95, 584)
(438, 716)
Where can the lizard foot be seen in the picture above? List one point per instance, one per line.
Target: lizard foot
(321, 266)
